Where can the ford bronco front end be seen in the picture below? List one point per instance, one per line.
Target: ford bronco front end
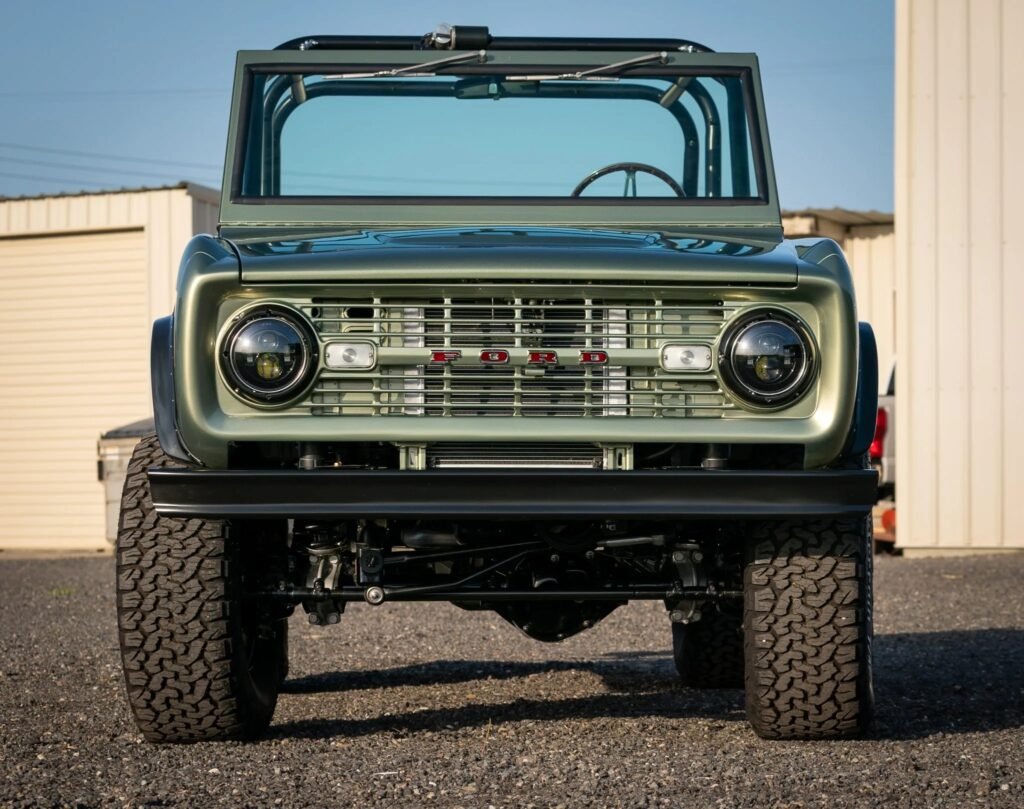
(508, 323)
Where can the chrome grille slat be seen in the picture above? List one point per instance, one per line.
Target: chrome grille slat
(587, 325)
(691, 379)
(561, 319)
(445, 392)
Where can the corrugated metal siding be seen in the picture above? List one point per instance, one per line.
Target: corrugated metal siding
(81, 280)
(205, 215)
(869, 244)
(74, 364)
(871, 252)
(959, 114)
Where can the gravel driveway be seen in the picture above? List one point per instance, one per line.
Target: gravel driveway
(413, 705)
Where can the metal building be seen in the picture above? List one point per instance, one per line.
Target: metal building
(82, 277)
(960, 285)
(868, 241)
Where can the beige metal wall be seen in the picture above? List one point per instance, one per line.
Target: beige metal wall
(960, 290)
(81, 280)
(871, 252)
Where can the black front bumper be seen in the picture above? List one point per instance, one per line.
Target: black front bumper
(512, 494)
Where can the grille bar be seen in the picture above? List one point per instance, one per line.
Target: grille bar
(509, 392)
(494, 338)
(494, 322)
(636, 375)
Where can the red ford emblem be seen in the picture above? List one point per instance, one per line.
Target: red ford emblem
(593, 357)
(448, 355)
(494, 356)
(543, 358)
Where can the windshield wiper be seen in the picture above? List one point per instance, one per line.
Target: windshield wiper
(595, 73)
(422, 69)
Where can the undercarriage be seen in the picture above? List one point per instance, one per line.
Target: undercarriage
(211, 564)
(550, 579)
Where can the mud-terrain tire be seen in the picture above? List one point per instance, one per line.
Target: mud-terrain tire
(807, 629)
(200, 663)
(709, 653)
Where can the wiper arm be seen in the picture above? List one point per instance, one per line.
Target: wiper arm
(596, 73)
(422, 69)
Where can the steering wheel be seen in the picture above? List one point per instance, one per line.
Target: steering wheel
(630, 169)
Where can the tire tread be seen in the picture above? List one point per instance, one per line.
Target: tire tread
(808, 629)
(709, 653)
(178, 623)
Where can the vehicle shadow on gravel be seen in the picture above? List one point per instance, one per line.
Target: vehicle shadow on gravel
(639, 684)
(926, 683)
(620, 670)
(447, 672)
(664, 703)
(961, 681)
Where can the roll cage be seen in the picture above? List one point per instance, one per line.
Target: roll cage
(473, 36)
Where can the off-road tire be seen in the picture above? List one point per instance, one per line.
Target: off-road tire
(709, 653)
(807, 629)
(200, 663)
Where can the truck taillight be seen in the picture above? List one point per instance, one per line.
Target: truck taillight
(877, 448)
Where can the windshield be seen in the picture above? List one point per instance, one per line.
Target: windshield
(676, 136)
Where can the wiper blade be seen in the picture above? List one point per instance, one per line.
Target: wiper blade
(422, 69)
(596, 73)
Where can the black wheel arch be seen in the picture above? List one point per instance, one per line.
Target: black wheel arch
(862, 427)
(165, 418)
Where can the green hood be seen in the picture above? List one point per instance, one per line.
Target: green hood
(518, 254)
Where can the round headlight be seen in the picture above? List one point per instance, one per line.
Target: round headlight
(269, 354)
(767, 359)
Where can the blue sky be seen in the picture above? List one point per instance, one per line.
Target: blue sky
(114, 93)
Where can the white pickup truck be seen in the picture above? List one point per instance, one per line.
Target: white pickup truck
(883, 447)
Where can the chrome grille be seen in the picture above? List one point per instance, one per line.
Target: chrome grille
(399, 386)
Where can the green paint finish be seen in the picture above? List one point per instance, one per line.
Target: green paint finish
(727, 254)
(210, 292)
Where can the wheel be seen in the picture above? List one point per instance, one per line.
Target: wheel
(807, 629)
(200, 663)
(709, 653)
(630, 170)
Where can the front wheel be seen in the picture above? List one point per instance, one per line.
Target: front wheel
(807, 629)
(709, 653)
(200, 662)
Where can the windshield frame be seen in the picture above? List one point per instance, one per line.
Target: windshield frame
(399, 211)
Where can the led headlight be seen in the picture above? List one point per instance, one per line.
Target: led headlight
(767, 358)
(269, 354)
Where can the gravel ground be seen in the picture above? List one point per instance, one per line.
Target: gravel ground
(414, 705)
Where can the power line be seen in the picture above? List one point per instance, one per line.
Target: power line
(108, 156)
(102, 169)
(215, 179)
(321, 175)
(74, 93)
(15, 176)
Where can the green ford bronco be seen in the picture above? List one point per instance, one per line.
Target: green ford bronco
(508, 323)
